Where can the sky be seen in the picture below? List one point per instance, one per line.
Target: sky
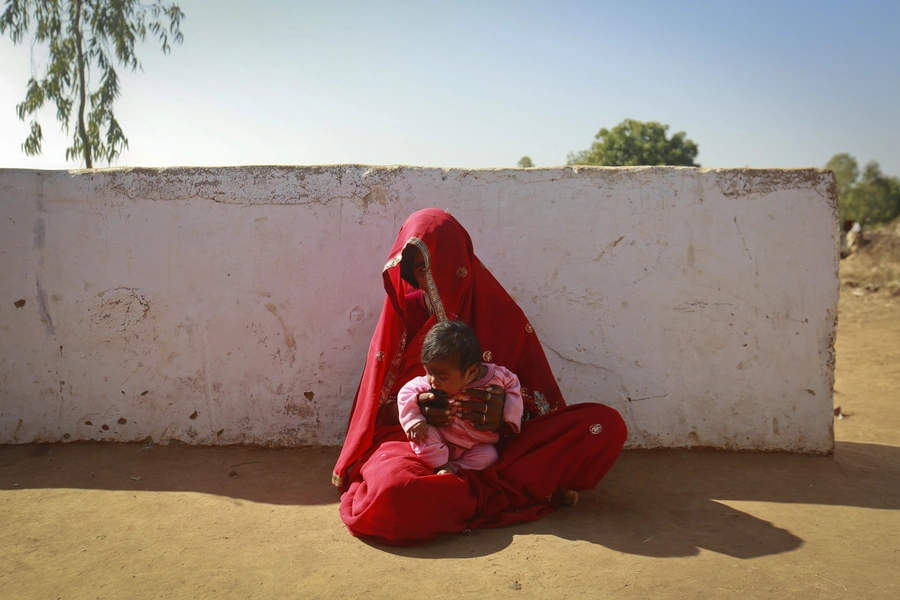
(482, 83)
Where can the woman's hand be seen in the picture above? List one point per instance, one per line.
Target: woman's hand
(389, 412)
(435, 411)
(485, 411)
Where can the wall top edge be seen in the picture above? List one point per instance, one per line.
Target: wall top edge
(363, 184)
(401, 168)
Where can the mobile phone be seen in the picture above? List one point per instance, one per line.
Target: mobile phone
(440, 399)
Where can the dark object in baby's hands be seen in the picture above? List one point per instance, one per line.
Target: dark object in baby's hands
(440, 399)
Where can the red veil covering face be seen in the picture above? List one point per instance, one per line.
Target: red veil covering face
(393, 497)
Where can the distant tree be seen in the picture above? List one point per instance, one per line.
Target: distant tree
(876, 196)
(633, 143)
(85, 34)
(846, 172)
(525, 162)
(869, 197)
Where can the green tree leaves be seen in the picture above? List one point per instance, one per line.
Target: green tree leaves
(846, 172)
(633, 143)
(525, 162)
(870, 197)
(83, 35)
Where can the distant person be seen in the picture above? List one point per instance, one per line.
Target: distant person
(451, 356)
(390, 494)
(851, 237)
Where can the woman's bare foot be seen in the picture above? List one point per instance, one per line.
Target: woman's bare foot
(568, 497)
(447, 468)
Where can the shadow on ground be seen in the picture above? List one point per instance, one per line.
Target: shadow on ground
(658, 504)
(673, 503)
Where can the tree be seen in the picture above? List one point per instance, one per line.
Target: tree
(870, 197)
(846, 172)
(633, 143)
(876, 196)
(525, 162)
(83, 35)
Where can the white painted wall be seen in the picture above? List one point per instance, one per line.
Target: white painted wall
(235, 305)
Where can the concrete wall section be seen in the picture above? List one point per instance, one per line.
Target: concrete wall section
(224, 306)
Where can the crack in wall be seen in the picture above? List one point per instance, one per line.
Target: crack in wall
(609, 247)
(43, 306)
(573, 361)
(630, 399)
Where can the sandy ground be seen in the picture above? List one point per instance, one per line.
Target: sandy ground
(131, 521)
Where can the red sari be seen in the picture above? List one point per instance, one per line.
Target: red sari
(390, 495)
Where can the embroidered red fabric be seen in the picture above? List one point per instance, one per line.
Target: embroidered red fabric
(392, 497)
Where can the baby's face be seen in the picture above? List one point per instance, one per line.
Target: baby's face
(447, 377)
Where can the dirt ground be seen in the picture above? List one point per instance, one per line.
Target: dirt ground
(132, 521)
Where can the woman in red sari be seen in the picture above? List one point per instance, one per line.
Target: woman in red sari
(390, 495)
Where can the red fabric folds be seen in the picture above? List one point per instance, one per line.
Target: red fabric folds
(398, 500)
(391, 496)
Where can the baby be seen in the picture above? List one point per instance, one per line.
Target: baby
(451, 355)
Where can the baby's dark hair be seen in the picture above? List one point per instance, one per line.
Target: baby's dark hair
(452, 341)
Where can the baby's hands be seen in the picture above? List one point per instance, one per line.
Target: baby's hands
(418, 432)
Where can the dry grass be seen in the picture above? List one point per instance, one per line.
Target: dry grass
(874, 268)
